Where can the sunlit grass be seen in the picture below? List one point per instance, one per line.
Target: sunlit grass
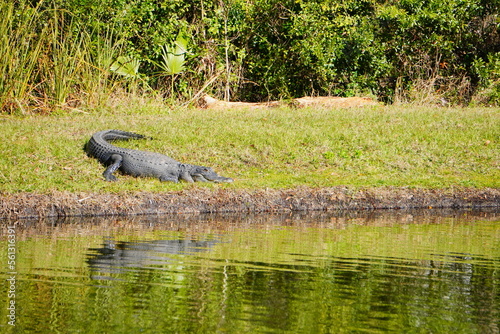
(275, 148)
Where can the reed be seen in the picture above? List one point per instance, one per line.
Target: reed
(20, 50)
(50, 60)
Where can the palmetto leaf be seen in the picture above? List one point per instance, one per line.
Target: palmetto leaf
(126, 66)
(174, 56)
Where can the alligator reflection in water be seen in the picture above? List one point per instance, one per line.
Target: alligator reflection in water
(117, 257)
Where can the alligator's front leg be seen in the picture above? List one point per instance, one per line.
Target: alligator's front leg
(170, 176)
(186, 177)
(200, 178)
(116, 162)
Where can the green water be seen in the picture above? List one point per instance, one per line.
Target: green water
(395, 272)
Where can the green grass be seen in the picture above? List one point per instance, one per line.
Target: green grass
(277, 148)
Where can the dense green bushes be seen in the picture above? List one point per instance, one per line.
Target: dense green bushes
(58, 53)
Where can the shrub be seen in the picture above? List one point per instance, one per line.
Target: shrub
(408, 50)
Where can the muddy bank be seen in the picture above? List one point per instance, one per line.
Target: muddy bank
(199, 200)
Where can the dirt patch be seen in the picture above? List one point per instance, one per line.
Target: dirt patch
(63, 204)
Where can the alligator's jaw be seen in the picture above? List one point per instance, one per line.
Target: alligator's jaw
(207, 174)
(223, 179)
(216, 179)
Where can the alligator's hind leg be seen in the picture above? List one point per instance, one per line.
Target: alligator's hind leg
(116, 162)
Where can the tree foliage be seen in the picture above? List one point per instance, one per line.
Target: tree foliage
(268, 49)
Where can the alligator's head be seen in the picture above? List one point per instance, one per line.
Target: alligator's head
(204, 174)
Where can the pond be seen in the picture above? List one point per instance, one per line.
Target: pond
(345, 272)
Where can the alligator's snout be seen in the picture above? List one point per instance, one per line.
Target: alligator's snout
(222, 179)
(208, 174)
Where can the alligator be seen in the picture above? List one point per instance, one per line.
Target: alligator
(121, 257)
(141, 163)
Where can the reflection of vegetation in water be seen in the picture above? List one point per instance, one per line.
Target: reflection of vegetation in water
(328, 277)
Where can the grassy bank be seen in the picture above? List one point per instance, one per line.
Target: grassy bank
(276, 148)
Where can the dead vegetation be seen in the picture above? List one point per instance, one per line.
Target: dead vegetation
(199, 200)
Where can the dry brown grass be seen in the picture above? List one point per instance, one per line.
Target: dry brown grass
(196, 201)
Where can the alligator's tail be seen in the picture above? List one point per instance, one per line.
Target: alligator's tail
(99, 144)
(111, 135)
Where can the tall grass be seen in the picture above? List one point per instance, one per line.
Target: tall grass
(49, 60)
(20, 48)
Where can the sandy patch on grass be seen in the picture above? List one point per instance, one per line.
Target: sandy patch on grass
(209, 102)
